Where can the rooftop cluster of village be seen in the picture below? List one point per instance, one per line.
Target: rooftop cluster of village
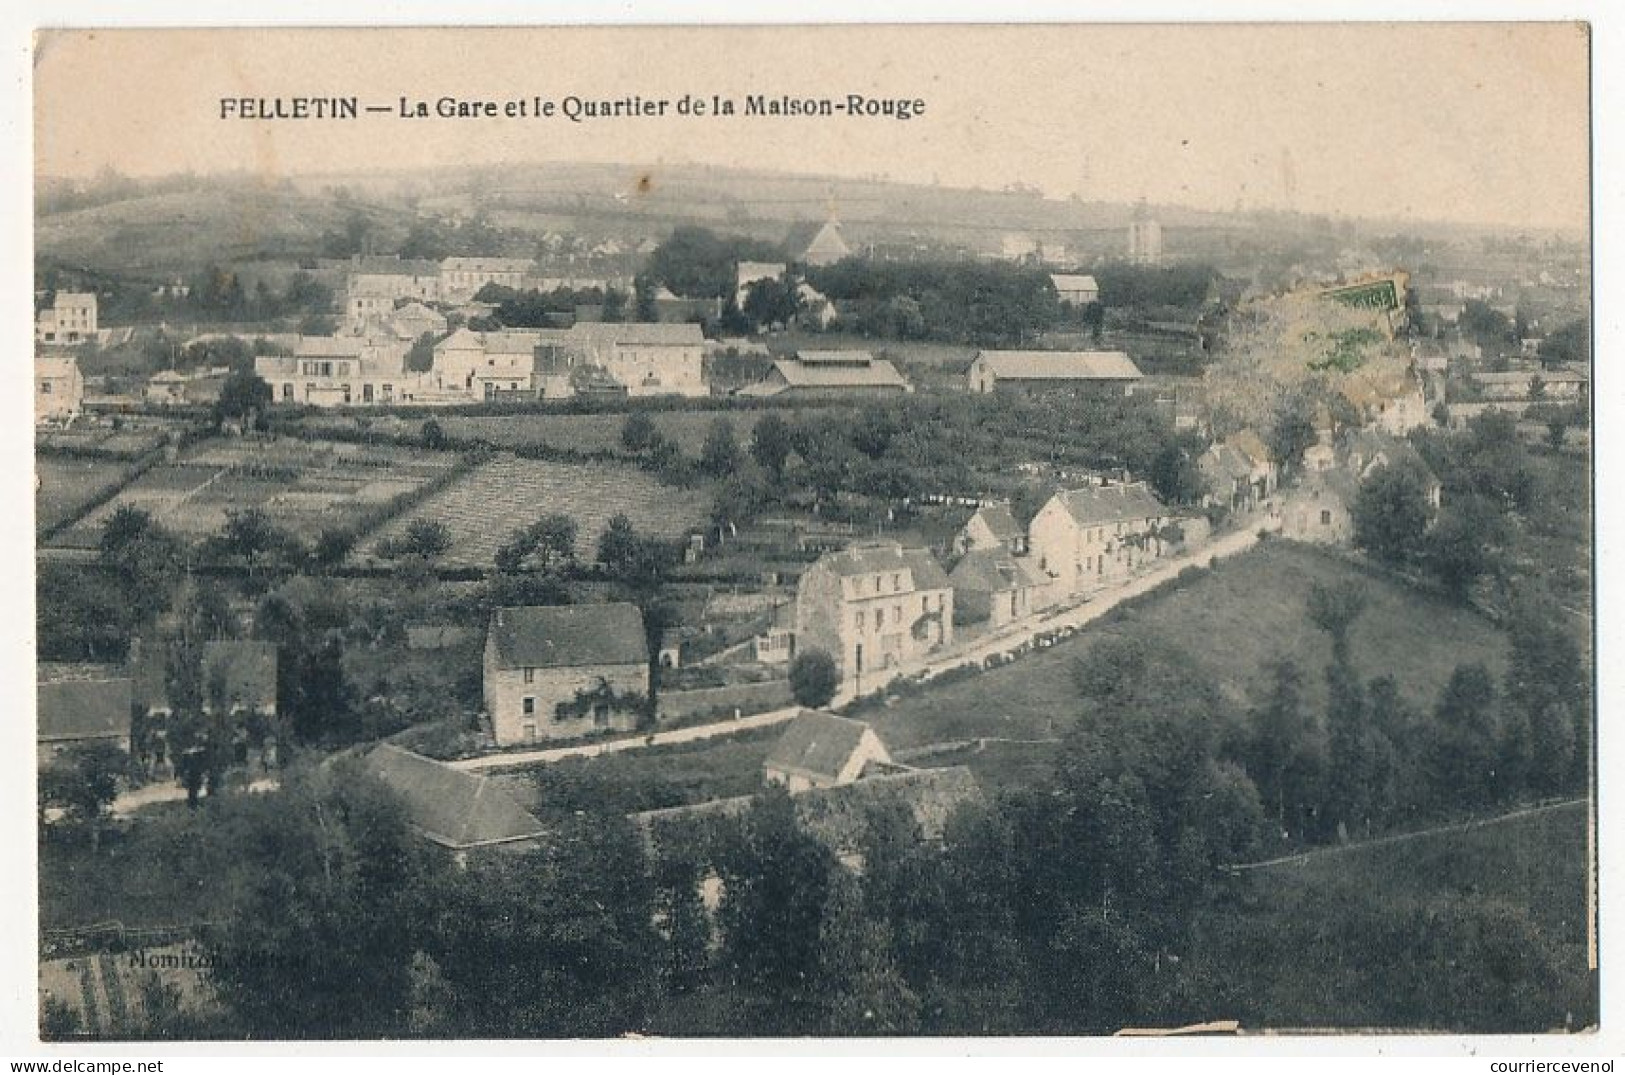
(451, 521)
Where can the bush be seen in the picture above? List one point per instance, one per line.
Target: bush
(814, 679)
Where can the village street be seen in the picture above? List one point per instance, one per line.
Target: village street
(1011, 638)
(130, 801)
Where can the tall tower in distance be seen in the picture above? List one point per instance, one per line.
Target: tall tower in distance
(1144, 238)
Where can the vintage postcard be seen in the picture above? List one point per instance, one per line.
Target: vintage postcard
(808, 532)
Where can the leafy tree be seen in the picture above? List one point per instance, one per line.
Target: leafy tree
(1174, 473)
(432, 435)
(84, 782)
(1282, 755)
(1461, 759)
(424, 537)
(1333, 608)
(638, 433)
(862, 988)
(814, 678)
(770, 444)
(333, 544)
(1291, 432)
(773, 301)
(1464, 544)
(318, 938)
(1557, 429)
(618, 545)
(776, 884)
(643, 292)
(1391, 513)
(420, 357)
(555, 943)
(243, 395)
(719, 456)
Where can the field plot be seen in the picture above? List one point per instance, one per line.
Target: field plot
(302, 486)
(125, 444)
(65, 485)
(1466, 931)
(484, 507)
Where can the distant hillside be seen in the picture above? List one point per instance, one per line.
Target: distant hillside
(175, 234)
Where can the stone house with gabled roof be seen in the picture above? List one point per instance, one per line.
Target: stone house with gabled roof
(993, 526)
(993, 586)
(874, 607)
(1083, 537)
(562, 671)
(820, 750)
(459, 811)
(75, 713)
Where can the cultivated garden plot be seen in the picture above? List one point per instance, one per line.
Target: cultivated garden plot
(302, 486)
(487, 505)
(65, 484)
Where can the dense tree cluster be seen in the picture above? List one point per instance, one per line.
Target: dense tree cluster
(1081, 903)
(986, 304)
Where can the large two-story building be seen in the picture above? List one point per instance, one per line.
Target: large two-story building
(874, 607)
(561, 671)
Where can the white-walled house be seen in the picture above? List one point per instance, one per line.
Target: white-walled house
(874, 607)
(1085, 536)
(340, 371)
(70, 319)
(59, 387)
(822, 750)
(648, 359)
(561, 671)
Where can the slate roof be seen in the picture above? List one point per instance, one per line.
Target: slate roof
(1094, 504)
(248, 668)
(564, 636)
(50, 367)
(452, 808)
(999, 521)
(1060, 365)
(830, 370)
(1224, 461)
(466, 264)
(1363, 446)
(71, 709)
(925, 572)
(639, 333)
(817, 742)
(1252, 446)
(748, 272)
(992, 571)
(329, 347)
(837, 815)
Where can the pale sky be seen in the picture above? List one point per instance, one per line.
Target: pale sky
(1478, 123)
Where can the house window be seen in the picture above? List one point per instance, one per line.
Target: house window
(1325, 518)
(528, 707)
(287, 392)
(896, 583)
(897, 614)
(45, 387)
(366, 393)
(530, 676)
(530, 732)
(880, 618)
(859, 620)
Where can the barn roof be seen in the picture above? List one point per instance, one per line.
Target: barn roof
(563, 636)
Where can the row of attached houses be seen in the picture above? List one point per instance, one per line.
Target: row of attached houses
(341, 371)
(1240, 472)
(623, 358)
(877, 607)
